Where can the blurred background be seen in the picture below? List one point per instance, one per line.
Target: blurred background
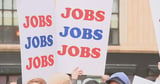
(132, 43)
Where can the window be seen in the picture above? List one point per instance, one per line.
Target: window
(13, 79)
(114, 31)
(7, 79)
(8, 22)
(3, 80)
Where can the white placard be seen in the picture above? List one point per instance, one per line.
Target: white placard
(83, 31)
(36, 38)
(155, 5)
(157, 81)
(140, 80)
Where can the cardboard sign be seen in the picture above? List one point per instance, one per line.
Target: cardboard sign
(36, 38)
(140, 80)
(155, 4)
(83, 31)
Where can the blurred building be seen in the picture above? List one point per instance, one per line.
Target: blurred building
(132, 43)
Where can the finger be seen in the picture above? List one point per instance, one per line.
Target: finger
(76, 69)
(81, 73)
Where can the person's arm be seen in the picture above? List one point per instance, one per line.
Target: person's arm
(75, 74)
(104, 79)
(74, 81)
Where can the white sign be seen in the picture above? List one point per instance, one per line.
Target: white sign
(155, 5)
(157, 81)
(36, 38)
(83, 31)
(140, 80)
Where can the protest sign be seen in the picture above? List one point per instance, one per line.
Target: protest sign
(154, 4)
(140, 80)
(36, 25)
(83, 31)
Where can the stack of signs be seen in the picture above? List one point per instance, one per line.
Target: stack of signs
(74, 35)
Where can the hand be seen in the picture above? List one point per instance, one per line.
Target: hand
(76, 73)
(104, 78)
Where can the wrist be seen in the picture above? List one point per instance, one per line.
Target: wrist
(75, 78)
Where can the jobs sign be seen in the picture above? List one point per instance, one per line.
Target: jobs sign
(83, 31)
(36, 25)
(61, 37)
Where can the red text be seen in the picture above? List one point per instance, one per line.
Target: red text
(84, 52)
(38, 21)
(40, 62)
(86, 14)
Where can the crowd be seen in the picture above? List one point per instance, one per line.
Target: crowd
(61, 78)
